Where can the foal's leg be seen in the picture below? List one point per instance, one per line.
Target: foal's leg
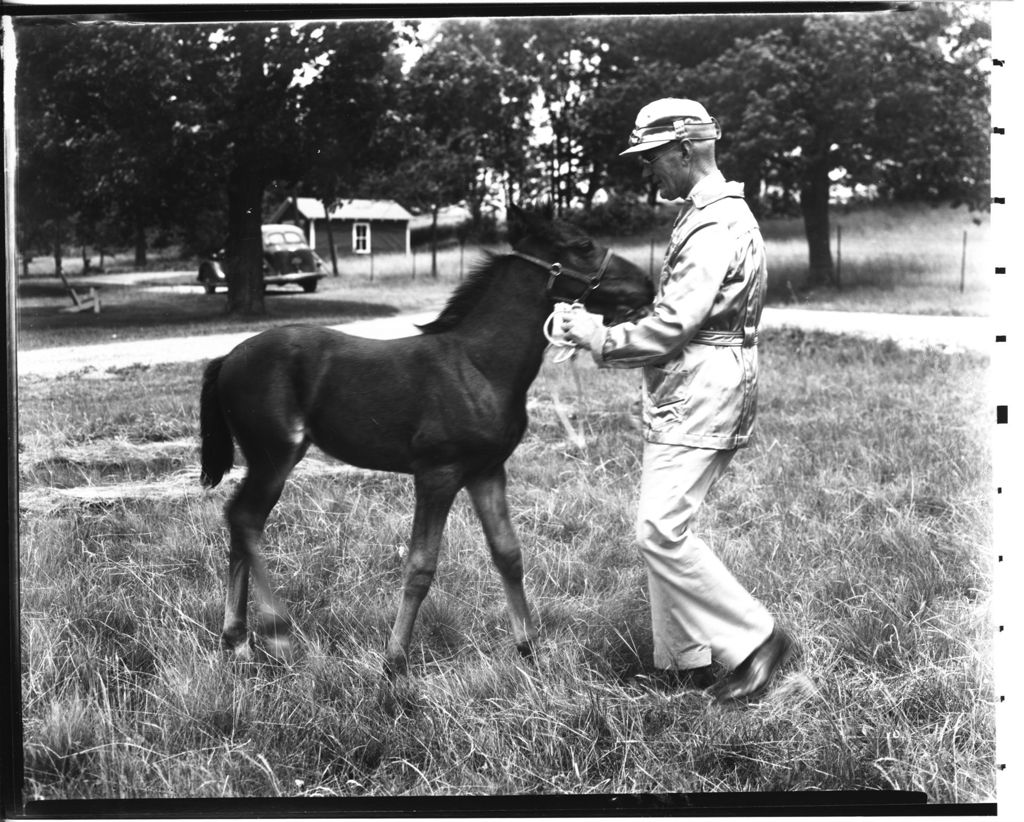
(435, 492)
(488, 495)
(247, 514)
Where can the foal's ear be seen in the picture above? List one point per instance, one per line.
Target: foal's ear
(515, 221)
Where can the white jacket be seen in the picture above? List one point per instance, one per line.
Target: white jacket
(698, 347)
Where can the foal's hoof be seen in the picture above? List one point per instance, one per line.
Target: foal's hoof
(276, 639)
(527, 650)
(279, 648)
(394, 668)
(398, 695)
(239, 653)
(235, 644)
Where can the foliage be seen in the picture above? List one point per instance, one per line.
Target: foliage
(493, 111)
(618, 216)
(460, 122)
(634, 60)
(854, 96)
(283, 94)
(229, 109)
(805, 100)
(85, 153)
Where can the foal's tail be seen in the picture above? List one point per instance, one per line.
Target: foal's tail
(218, 450)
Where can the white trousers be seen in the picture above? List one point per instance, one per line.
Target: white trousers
(699, 610)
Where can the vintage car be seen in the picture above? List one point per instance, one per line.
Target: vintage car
(287, 258)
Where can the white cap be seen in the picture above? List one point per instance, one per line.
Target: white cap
(668, 119)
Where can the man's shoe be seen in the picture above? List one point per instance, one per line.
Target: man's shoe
(753, 674)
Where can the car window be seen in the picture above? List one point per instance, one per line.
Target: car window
(278, 237)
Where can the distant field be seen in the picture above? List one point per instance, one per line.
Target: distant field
(899, 259)
(894, 259)
(861, 517)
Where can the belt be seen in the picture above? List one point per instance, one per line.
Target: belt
(733, 338)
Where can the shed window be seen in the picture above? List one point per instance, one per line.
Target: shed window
(361, 238)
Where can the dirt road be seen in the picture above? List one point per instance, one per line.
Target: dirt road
(950, 334)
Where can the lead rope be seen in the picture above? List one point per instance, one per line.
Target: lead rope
(553, 333)
(565, 350)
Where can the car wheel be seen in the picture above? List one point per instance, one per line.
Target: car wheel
(309, 286)
(208, 278)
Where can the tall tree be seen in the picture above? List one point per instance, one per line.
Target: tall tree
(86, 156)
(227, 109)
(592, 74)
(882, 98)
(562, 60)
(647, 58)
(253, 92)
(462, 115)
(357, 87)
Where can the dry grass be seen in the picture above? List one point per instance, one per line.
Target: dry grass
(860, 517)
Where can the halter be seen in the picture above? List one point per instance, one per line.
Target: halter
(556, 270)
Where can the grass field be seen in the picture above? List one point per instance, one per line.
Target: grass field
(895, 259)
(904, 259)
(861, 517)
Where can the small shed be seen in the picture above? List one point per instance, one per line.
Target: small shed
(357, 226)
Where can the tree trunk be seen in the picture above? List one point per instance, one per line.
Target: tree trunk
(140, 244)
(246, 183)
(752, 194)
(245, 240)
(433, 240)
(554, 176)
(58, 253)
(593, 183)
(330, 237)
(476, 200)
(814, 207)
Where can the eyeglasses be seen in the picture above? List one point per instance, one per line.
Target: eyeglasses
(649, 158)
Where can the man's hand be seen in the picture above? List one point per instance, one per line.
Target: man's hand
(579, 325)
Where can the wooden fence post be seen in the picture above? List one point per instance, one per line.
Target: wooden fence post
(839, 256)
(963, 263)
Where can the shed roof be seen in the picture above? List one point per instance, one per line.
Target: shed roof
(312, 209)
(447, 216)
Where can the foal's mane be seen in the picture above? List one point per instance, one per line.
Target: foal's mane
(466, 294)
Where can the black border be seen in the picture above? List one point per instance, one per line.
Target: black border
(14, 805)
(768, 804)
(217, 12)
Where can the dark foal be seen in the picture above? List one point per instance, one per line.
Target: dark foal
(447, 406)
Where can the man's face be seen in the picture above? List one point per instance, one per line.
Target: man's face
(667, 168)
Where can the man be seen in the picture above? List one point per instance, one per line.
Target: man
(698, 350)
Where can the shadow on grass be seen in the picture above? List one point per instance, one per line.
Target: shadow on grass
(135, 314)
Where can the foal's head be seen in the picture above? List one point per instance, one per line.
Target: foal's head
(621, 287)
